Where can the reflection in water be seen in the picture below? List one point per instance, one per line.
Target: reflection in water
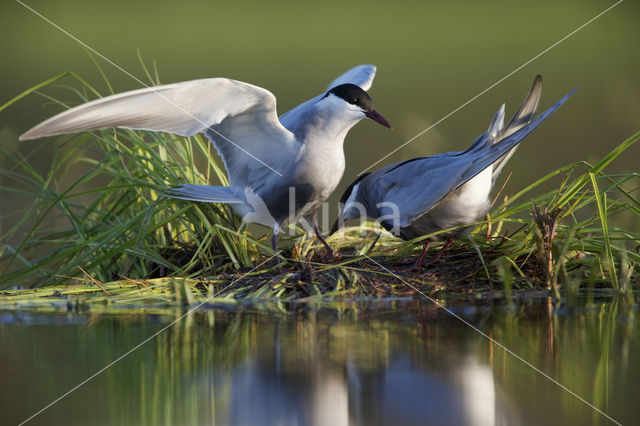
(371, 364)
(400, 393)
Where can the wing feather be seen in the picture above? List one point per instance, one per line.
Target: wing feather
(404, 185)
(239, 118)
(362, 76)
(183, 108)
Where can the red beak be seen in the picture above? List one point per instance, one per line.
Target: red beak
(375, 116)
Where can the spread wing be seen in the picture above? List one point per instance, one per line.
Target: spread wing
(240, 118)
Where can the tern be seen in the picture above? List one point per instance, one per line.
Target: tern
(280, 169)
(424, 195)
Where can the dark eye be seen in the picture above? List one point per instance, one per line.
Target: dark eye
(353, 101)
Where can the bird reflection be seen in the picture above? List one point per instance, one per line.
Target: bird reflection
(457, 390)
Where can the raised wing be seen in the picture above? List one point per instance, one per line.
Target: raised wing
(183, 108)
(362, 76)
(238, 117)
(418, 185)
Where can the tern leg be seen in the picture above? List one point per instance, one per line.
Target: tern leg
(274, 238)
(330, 252)
(418, 263)
(436, 258)
(274, 246)
(373, 244)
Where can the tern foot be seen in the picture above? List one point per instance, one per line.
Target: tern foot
(330, 254)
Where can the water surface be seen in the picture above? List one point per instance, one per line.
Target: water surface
(394, 362)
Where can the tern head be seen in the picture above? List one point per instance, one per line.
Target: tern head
(352, 204)
(356, 102)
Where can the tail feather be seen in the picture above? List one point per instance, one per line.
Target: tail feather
(496, 124)
(527, 110)
(509, 143)
(521, 118)
(204, 194)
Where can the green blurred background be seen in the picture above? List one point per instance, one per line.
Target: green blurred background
(431, 58)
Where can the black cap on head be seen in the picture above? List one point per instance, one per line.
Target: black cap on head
(352, 94)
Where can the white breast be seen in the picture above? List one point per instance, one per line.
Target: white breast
(322, 166)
